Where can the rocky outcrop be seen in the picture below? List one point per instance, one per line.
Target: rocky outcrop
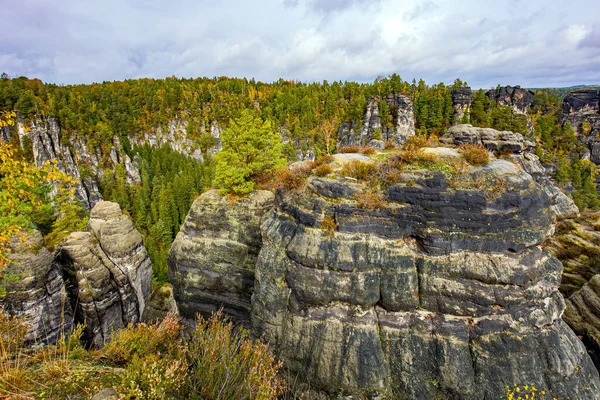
(443, 292)
(577, 244)
(160, 303)
(493, 140)
(45, 138)
(581, 109)
(562, 205)
(515, 97)
(583, 316)
(38, 292)
(212, 260)
(461, 102)
(403, 123)
(518, 99)
(176, 136)
(109, 273)
(507, 142)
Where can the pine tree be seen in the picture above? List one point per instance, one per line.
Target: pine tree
(251, 148)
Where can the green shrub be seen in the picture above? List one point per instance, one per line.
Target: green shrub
(251, 148)
(136, 341)
(229, 366)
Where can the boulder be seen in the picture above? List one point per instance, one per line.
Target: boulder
(160, 303)
(444, 292)
(213, 257)
(493, 140)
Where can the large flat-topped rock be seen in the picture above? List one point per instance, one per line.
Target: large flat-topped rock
(441, 292)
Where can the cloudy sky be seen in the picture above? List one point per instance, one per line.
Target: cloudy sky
(534, 43)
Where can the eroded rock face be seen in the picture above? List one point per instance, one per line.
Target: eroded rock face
(577, 244)
(509, 142)
(461, 101)
(512, 96)
(403, 121)
(38, 293)
(442, 293)
(212, 260)
(581, 109)
(45, 138)
(109, 273)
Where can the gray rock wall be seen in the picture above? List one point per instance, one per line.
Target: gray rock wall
(521, 148)
(212, 260)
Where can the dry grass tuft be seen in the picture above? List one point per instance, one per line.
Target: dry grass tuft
(475, 154)
(359, 170)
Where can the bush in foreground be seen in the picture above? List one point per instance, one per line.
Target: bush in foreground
(148, 361)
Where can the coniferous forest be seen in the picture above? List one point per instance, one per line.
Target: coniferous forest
(308, 112)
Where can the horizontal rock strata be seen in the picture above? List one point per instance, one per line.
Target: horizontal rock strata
(212, 260)
(442, 293)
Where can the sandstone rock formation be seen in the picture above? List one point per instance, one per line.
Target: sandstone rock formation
(443, 293)
(577, 244)
(176, 136)
(109, 273)
(517, 98)
(461, 101)
(492, 139)
(509, 142)
(45, 138)
(581, 109)
(38, 293)
(212, 260)
(401, 110)
(160, 303)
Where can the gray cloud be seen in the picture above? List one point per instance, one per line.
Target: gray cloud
(74, 41)
(592, 39)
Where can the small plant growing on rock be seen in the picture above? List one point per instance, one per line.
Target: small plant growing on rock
(323, 170)
(349, 149)
(322, 160)
(389, 145)
(367, 151)
(292, 178)
(359, 170)
(328, 226)
(475, 154)
(369, 199)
